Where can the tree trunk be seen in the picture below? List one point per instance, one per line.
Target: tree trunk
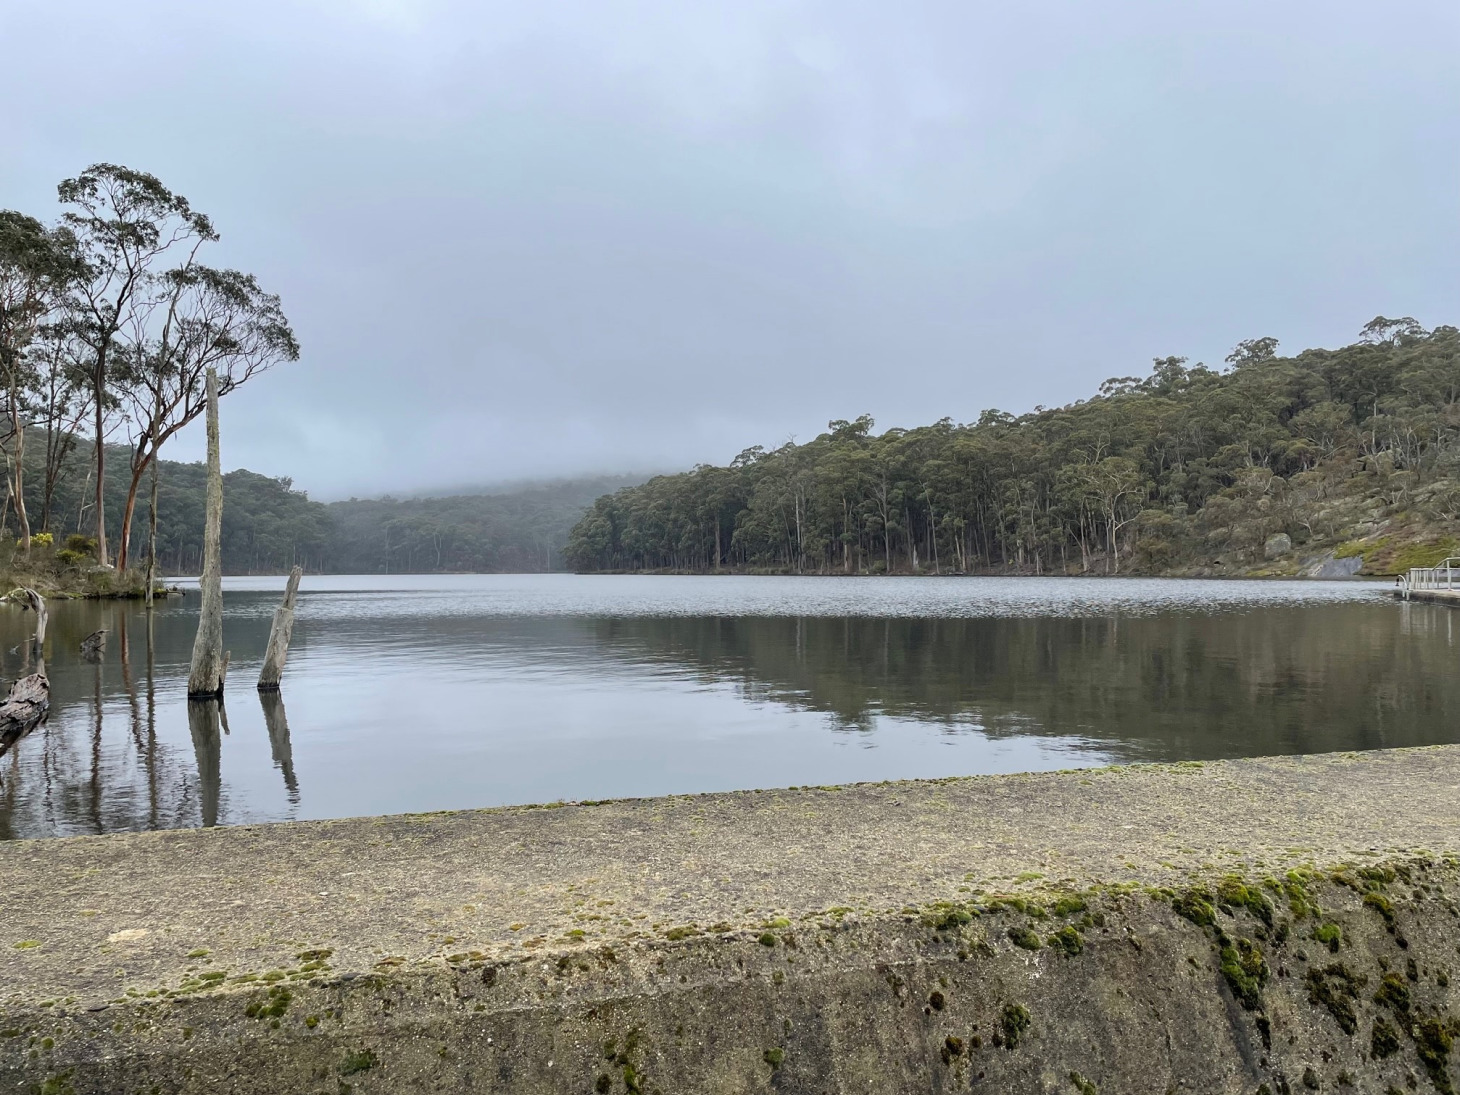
(206, 675)
(124, 540)
(100, 467)
(17, 479)
(279, 636)
(152, 538)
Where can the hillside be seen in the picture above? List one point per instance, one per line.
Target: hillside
(519, 530)
(1327, 462)
(268, 526)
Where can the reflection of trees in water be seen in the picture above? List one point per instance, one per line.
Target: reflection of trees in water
(99, 764)
(1306, 679)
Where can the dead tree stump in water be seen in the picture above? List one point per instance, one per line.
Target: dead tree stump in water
(279, 636)
(29, 598)
(205, 678)
(24, 709)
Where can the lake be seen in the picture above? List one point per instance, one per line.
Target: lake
(420, 693)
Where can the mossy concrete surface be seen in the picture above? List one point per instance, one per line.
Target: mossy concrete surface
(1236, 927)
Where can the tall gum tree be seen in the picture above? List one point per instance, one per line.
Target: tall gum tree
(128, 226)
(202, 319)
(38, 265)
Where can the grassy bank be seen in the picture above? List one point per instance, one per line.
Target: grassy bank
(66, 570)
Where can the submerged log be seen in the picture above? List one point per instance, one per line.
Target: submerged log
(279, 636)
(24, 709)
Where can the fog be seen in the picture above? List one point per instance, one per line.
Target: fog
(529, 240)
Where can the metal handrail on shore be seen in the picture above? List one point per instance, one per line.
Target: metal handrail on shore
(1441, 576)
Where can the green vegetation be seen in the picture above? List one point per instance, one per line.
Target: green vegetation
(1253, 467)
(1336, 988)
(1069, 940)
(357, 1061)
(1025, 937)
(1013, 1023)
(1245, 969)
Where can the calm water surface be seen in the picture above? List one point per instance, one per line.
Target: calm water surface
(429, 692)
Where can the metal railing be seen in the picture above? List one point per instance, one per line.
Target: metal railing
(1442, 576)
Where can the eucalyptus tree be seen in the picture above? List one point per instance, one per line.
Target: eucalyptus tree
(129, 228)
(38, 265)
(61, 399)
(195, 319)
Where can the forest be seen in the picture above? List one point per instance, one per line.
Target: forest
(520, 530)
(268, 526)
(110, 323)
(1266, 464)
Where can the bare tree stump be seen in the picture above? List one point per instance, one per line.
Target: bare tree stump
(279, 636)
(24, 709)
(29, 598)
(205, 677)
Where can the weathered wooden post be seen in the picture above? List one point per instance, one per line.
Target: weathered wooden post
(279, 636)
(209, 664)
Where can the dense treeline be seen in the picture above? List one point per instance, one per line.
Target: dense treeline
(268, 526)
(1190, 468)
(523, 530)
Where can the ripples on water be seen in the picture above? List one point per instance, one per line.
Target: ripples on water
(433, 692)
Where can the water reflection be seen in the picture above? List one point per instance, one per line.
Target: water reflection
(204, 724)
(530, 702)
(278, 725)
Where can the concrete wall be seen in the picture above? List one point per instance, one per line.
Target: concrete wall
(1216, 959)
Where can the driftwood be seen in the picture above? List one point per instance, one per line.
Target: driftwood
(29, 598)
(279, 636)
(24, 709)
(205, 677)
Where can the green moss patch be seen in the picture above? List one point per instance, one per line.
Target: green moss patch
(1013, 1022)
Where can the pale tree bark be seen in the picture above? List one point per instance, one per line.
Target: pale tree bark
(279, 636)
(209, 662)
(29, 598)
(17, 462)
(152, 539)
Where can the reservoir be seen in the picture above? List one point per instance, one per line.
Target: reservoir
(421, 693)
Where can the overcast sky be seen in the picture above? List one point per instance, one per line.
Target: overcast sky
(564, 236)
